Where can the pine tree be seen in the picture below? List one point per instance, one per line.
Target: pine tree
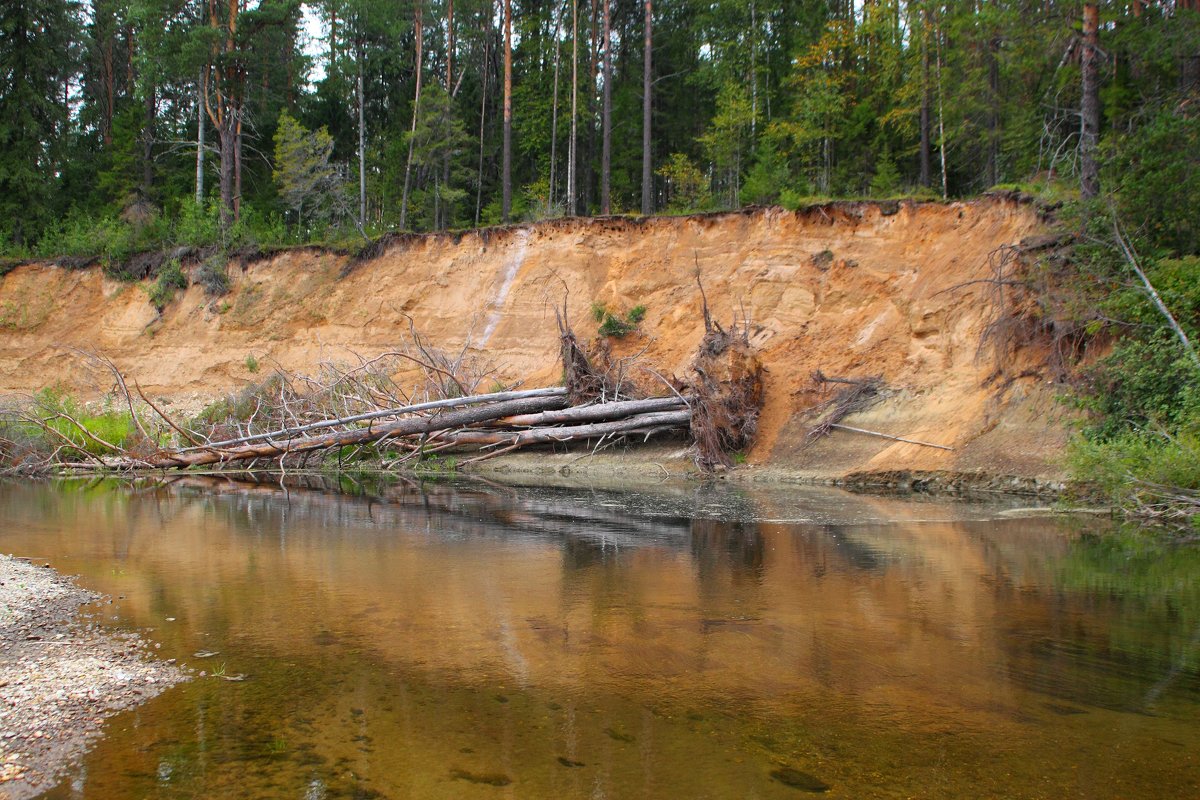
(36, 39)
(304, 176)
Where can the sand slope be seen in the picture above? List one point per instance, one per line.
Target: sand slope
(851, 289)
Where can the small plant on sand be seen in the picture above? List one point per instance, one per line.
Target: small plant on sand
(615, 326)
(252, 365)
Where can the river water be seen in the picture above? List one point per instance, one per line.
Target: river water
(472, 640)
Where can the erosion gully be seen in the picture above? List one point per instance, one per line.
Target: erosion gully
(467, 639)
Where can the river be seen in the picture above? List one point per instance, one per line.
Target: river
(465, 639)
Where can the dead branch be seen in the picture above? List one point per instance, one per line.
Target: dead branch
(889, 436)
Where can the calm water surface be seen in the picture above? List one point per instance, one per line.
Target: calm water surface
(467, 640)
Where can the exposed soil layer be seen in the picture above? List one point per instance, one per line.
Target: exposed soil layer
(851, 289)
(60, 677)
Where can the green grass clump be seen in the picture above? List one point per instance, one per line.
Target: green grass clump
(615, 326)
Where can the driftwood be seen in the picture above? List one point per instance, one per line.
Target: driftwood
(593, 412)
(859, 395)
(453, 402)
(354, 436)
(889, 436)
(639, 423)
(289, 417)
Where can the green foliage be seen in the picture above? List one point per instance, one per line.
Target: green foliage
(727, 142)
(614, 326)
(115, 427)
(308, 183)
(886, 181)
(1137, 469)
(171, 278)
(768, 178)
(1155, 172)
(252, 364)
(1147, 379)
(687, 187)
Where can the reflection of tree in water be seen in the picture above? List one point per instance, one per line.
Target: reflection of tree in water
(1119, 630)
(737, 546)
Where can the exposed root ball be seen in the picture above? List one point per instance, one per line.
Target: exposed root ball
(727, 397)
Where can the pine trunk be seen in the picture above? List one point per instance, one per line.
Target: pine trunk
(606, 120)
(412, 135)
(1089, 173)
(506, 168)
(647, 85)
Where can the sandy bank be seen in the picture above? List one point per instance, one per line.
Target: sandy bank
(894, 290)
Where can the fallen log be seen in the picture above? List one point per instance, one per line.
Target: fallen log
(372, 433)
(453, 402)
(596, 412)
(638, 423)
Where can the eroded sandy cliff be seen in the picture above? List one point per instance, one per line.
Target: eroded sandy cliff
(852, 289)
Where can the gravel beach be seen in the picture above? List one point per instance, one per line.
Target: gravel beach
(61, 675)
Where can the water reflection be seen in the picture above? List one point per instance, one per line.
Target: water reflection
(461, 640)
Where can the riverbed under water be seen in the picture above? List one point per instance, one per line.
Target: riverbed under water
(473, 640)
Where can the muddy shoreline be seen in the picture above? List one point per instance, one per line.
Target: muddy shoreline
(62, 674)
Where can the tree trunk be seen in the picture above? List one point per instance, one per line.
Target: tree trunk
(1090, 104)
(237, 164)
(443, 220)
(109, 78)
(589, 156)
(937, 38)
(149, 111)
(647, 86)
(924, 124)
(993, 114)
(362, 148)
(506, 156)
(606, 119)
(483, 95)
(1089, 132)
(372, 433)
(225, 137)
(554, 108)
(412, 135)
(200, 140)
(571, 154)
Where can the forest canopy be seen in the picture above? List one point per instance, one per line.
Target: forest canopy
(131, 121)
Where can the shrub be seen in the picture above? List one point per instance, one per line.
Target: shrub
(170, 278)
(213, 275)
(1141, 469)
(687, 186)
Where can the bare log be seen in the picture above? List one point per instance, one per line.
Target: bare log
(596, 412)
(291, 433)
(638, 423)
(372, 433)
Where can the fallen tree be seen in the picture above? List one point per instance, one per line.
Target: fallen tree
(288, 418)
